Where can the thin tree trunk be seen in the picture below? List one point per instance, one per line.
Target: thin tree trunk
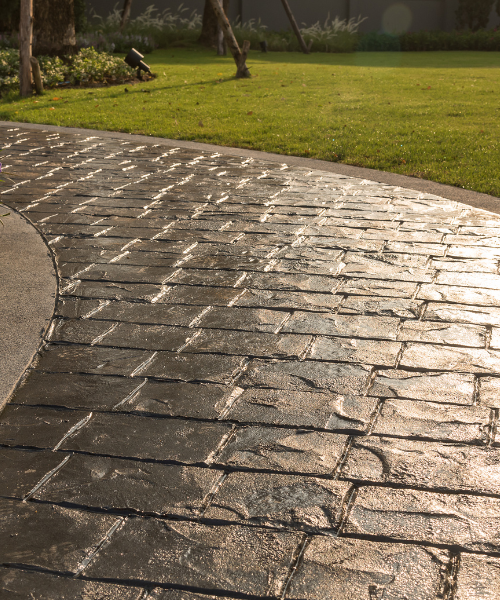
(210, 28)
(238, 55)
(37, 76)
(221, 42)
(25, 43)
(295, 27)
(127, 5)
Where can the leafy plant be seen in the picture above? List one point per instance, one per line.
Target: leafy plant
(474, 14)
(88, 66)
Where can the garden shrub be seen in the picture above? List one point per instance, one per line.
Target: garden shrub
(88, 66)
(379, 42)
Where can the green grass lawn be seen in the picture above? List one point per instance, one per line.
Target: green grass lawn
(430, 115)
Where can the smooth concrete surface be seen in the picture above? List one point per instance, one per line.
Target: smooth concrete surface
(475, 199)
(27, 297)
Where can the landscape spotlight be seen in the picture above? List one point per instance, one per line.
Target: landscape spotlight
(134, 60)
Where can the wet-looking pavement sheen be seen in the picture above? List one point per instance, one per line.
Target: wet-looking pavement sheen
(260, 381)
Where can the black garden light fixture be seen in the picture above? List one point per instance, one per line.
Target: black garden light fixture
(134, 60)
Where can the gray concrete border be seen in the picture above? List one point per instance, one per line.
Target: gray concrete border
(28, 287)
(475, 199)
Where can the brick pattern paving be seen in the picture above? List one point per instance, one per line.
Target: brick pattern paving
(260, 381)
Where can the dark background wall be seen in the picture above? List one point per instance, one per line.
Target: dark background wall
(383, 15)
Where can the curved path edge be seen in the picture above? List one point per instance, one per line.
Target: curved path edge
(28, 287)
(469, 197)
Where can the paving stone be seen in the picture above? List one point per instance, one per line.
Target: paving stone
(291, 282)
(149, 438)
(383, 307)
(37, 427)
(249, 343)
(199, 296)
(141, 292)
(307, 409)
(200, 400)
(461, 313)
(344, 243)
(78, 331)
(403, 236)
(88, 359)
(489, 392)
(232, 558)
(466, 266)
(308, 266)
(283, 501)
(342, 325)
(307, 376)
(146, 337)
(471, 240)
(73, 391)
(432, 465)
(245, 319)
(495, 338)
(289, 300)
(355, 350)
(470, 360)
(425, 249)
(153, 314)
(309, 253)
(128, 274)
(469, 522)
(378, 287)
(459, 295)
(49, 536)
(76, 308)
(450, 388)
(473, 252)
(115, 484)
(285, 450)
(207, 368)
(474, 280)
(359, 265)
(478, 578)
(347, 569)
(23, 469)
(410, 418)
(19, 584)
(443, 333)
(160, 594)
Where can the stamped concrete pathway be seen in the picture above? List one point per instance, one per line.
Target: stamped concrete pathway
(260, 381)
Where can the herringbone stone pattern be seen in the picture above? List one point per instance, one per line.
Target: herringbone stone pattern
(259, 382)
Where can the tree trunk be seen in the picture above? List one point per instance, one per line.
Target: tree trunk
(127, 5)
(54, 28)
(37, 75)
(295, 27)
(25, 41)
(239, 56)
(209, 29)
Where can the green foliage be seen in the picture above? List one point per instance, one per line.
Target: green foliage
(9, 67)
(379, 42)
(424, 41)
(10, 15)
(91, 66)
(474, 14)
(116, 42)
(454, 40)
(332, 36)
(88, 66)
(80, 7)
(154, 28)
